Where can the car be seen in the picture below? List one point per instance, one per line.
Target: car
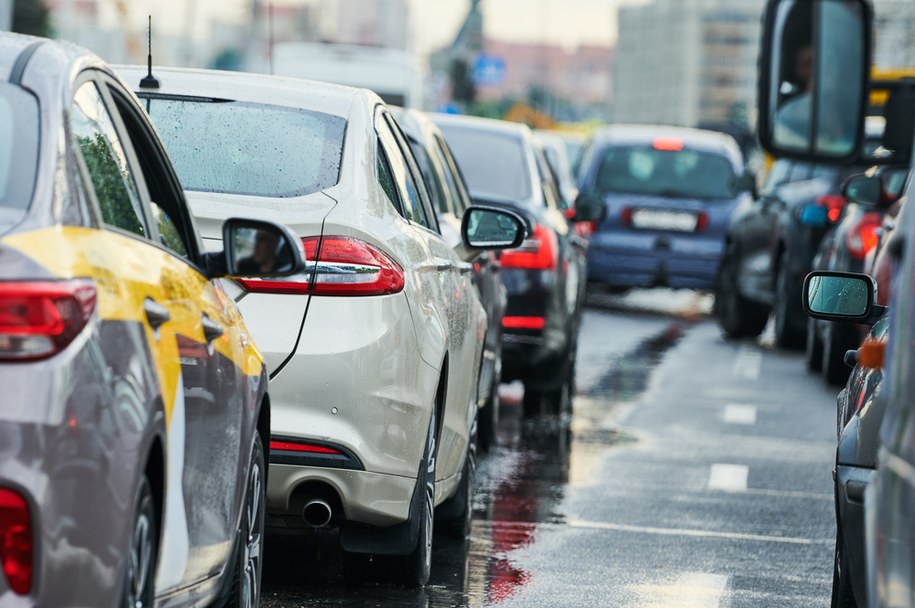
(135, 422)
(670, 194)
(450, 199)
(545, 277)
(375, 350)
(557, 155)
(770, 248)
(845, 248)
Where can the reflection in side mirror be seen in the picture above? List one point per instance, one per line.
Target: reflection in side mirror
(814, 78)
(489, 228)
(261, 249)
(838, 296)
(864, 190)
(589, 207)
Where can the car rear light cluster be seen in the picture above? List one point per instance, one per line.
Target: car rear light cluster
(40, 318)
(533, 323)
(16, 552)
(862, 238)
(338, 266)
(834, 205)
(539, 252)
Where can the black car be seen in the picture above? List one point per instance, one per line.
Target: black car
(845, 248)
(450, 195)
(770, 248)
(545, 277)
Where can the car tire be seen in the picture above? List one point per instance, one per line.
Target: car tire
(418, 563)
(455, 516)
(142, 556)
(248, 566)
(785, 335)
(737, 316)
(835, 345)
(842, 594)
(813, 351)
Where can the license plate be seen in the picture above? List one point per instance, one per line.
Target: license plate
(652, 219)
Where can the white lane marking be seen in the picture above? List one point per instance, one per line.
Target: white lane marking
(691, 590)
(740, 414)
(691, 533)
(728, 477)
(747, 363)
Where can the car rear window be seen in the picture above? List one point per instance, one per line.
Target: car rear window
(676, 173)
(19, 136)
(249, 149)
(492, 163)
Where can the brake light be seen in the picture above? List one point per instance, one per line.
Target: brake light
(340, 266)
(702, 221)
(523, 322)
(667, 144)
(16, 541)
(862, 238)
(569, 214)
(40, 318)
(626, 216)
(540, 252)
(834, 205)
(307, 448)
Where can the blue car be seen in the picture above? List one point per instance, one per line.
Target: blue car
(670, 193)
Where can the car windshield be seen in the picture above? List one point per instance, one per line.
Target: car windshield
(674, 173)
(18, 152)
(494, 164)
(248, 148)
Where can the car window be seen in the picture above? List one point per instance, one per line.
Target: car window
(251, 149)
(434, 186)
(112, 178)
(385, 178)
(430, 219)
(494, 164)
(18, 152)
(453, 177)
(680, 173)
(408, 192)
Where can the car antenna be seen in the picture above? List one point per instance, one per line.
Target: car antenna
(149, 81)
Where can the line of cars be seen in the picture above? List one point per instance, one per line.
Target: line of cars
(280, 308)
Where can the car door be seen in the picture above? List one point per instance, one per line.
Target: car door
(184, 317)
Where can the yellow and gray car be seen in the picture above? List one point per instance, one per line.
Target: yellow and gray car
(135, 415)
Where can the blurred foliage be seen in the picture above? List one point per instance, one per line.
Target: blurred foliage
(110, 184)
(31, 17)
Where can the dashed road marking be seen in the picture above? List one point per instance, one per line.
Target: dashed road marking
(748, 363)
(740, 414)
(728, 477)
(690, 590)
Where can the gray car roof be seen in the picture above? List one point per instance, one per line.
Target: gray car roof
(695, 139)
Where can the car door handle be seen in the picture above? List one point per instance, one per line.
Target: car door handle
(156, 314)
(211, 329)
(465, 268)
(442, 265)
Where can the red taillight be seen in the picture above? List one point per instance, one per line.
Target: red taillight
(40, 318)
(339, 266)
(523, 322)
(667, 144)
(308, 448)
(16, 541)
(834, 204)
(569, 213)
(862, 238)
(702, 221)
(626, 216)
(540, 252)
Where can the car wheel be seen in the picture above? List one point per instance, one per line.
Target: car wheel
(737, 316)
(142, 556)
(813, 352)
(249, 567)
(842, 594)
(455, 516)
(835, 372)
(418, 563)
(786, 336)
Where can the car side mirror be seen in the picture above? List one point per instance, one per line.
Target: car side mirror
(589, 207)
(863, 189)
(841, 296)
(258, 249)
(490, 228)
(814, 79)
(747, 183)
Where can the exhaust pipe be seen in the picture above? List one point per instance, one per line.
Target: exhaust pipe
(317, 513)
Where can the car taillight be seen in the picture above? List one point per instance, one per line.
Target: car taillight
(862, 238)
(834, 205)
(306, 448)
(626, 216)
(16, 541)
(40, 318)
(338, 266)
(539, 252)
(702, 221)
(535, 323)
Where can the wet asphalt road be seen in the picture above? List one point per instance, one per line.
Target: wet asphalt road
(695, 472)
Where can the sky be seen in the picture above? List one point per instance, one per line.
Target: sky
(435, 22)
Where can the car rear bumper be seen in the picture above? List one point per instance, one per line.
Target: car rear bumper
(851, 484)
(619, 260)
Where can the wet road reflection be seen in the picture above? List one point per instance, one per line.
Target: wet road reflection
(520, 487)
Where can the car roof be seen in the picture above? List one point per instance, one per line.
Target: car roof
(488, 125)
(251, 87)
(695, 139)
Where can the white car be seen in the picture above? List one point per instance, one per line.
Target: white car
(375, 352)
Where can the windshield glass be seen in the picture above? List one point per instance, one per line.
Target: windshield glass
(18, 152)
(674, 173)
(249, 149)
(493, 164)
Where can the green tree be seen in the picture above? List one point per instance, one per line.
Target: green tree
(31, 17)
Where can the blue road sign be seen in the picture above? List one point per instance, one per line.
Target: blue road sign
(488, 71)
